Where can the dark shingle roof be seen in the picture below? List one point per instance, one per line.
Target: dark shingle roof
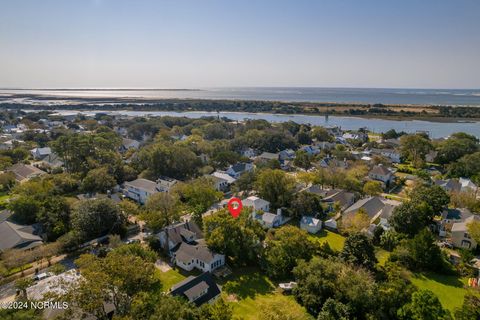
(193, 286)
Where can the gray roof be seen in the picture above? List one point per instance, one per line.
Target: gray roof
(268, 217)
(186, 252)
(341, 196)
(24, 171)
(450, 184)
(175, 231)
(196, 290)
(17, 236)
(144, 184)
(269, 155)
(380, 170)
(310, 221)
(372, 205)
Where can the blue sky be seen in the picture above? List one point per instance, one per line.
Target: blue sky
(203, 43)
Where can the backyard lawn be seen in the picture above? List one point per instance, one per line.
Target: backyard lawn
(449, 289)
(169, 278)
(248, 289)
(334, 240)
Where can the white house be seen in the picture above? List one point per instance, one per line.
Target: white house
(270, 220)
(310, 224)
(237, 169)
(381, 173)
(460, 236)
(222, 180)
(140, 189)
(199, 256)
(391, 154)
(258, 204)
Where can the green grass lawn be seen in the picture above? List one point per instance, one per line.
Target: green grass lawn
(4, 197)
(334, 240)
(248, 289)
(449, 289)
(169, 278)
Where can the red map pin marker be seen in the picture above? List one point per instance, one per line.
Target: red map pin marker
(235, 207)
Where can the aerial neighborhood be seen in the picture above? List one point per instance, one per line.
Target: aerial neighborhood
(131, 211)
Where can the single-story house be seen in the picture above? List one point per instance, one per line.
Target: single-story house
(267, 156)
(375, 208)
(198, 290)
(331, 196)
(310, 224)
(15, 236)
(344, 199)
(391, 154)
(333, 162)
(24, 172)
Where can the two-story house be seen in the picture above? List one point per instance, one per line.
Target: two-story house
(460, 236)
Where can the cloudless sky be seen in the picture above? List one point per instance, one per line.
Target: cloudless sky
(205, 43)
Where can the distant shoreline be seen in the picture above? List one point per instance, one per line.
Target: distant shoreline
(399, 112)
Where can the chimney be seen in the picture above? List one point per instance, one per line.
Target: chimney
(279, 211)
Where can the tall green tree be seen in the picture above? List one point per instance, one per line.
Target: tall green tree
(94, 218)
(415, 147)
(161, 210)
(359, 250)
(239, 239)
(424, 306)
(276, 187)
(283, 248)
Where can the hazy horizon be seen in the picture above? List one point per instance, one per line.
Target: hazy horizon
(106, 44)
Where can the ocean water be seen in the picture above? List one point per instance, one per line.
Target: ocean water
(457, 97)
